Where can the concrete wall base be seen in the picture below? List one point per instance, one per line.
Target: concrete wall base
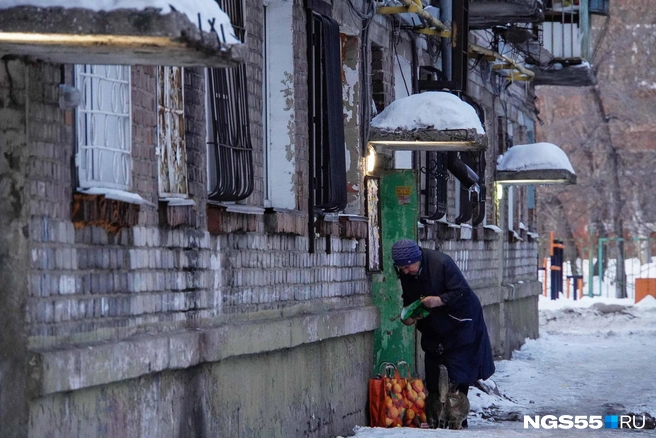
(312, 390)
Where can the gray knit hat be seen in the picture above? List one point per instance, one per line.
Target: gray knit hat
(405, 252)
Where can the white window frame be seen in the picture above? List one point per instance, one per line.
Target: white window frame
(510, 199)
(171, 144)
(103, 127)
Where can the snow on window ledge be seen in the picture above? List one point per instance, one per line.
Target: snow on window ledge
(117, 195)
(178, 202)
(514, 236)
(493, 228)
(466, 232)
(491, 232)
(238, 208)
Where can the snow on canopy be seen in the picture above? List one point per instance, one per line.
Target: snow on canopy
(534, 156)
(208, 10)
(429, 110)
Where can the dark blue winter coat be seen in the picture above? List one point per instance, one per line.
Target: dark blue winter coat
(454, 334)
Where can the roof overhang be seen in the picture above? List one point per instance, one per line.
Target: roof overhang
(536, 177)
(565, 72)
(535, 164)
(385, 141)
(484, 14)
(122, 36)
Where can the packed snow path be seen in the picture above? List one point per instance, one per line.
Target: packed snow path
(592, 358)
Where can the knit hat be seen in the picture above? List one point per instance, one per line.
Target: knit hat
(405, 252)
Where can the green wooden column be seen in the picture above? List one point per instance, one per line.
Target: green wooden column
(393, 341)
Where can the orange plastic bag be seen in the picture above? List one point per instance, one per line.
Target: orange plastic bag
(394, 400)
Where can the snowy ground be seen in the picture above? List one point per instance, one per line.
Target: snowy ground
(595, 356)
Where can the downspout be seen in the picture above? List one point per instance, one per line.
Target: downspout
(584, 19)
(446, 15)
(469, 179)
(425, 15)
(479, 208)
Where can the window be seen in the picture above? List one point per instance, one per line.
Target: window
(103, 127)
(326, 116)
(171, 150)
(230, 152)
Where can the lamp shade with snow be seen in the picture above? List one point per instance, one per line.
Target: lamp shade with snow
(432, 120)
(128, 32)
(535, 163)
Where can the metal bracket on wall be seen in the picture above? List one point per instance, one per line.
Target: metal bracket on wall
(434, 26)
(518, 72)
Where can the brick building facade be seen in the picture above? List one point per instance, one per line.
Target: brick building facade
(150, 317)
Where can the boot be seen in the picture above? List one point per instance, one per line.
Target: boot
(433, 408)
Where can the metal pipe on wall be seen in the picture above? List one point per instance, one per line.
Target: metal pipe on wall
(446, 15)
(425, 15)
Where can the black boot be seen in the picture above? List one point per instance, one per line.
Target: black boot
(432, 409)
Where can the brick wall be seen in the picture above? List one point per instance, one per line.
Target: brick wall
(255, 65)
(382, 76)
(89, 283)
(15, 188)
(476, 258)
(520, 261)
(196, 142)
(50, 133)
(144, 139)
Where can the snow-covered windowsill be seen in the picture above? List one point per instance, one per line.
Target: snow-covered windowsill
(491, 232)
(117, 195)
(238, 208)
(178, 202)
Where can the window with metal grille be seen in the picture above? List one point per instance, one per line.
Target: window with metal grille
(171, 149)
(327, 156)
(103, 127)
(230, 152)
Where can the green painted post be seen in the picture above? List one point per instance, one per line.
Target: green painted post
(393, 341)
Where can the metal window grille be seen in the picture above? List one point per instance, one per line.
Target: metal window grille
(560, 32)
(230, 152)
(326, 121)
(171, 150)
(103, 127)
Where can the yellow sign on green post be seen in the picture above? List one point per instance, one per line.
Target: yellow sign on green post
(393, 341)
